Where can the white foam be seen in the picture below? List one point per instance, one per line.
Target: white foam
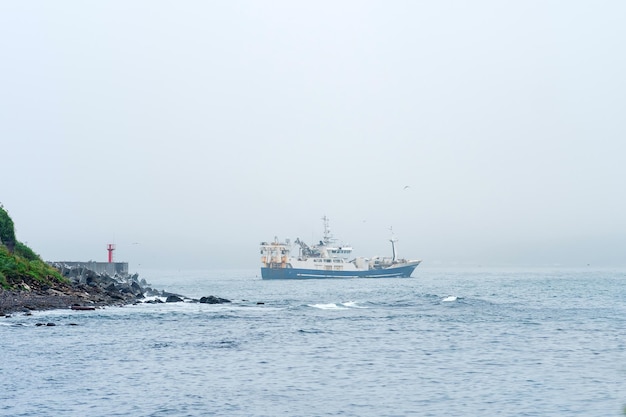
(330, 306)
(352, 304)
(450, 298)
(153, 298)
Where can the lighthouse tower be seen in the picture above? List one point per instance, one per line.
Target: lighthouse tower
(110, 248)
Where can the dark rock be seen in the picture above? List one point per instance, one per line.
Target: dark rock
(50, 324)
(124, 288)
(136, 288)
(116, 296)
(150, 292)
(211, 299)
(82, 307)
(167, 294)
(173, 299)
(105, 280)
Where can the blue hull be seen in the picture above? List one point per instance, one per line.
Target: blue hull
(293, 273)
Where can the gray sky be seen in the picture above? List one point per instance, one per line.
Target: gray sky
(188, 132)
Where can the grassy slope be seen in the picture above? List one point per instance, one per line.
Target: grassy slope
(23, 266)
(16, 269)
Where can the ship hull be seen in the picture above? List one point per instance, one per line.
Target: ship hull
(403, 271)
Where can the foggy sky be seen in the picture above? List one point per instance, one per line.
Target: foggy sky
(188, 132)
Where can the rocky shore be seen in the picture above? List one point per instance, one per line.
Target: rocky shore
(87, 288)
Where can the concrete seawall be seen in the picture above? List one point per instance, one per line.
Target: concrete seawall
(110, 268)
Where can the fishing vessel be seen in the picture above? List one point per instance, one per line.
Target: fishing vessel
(327, 259)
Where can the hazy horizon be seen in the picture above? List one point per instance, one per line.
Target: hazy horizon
(188, 133)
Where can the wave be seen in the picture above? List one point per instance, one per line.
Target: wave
(329, 306)
(352, 304)
(334, 306)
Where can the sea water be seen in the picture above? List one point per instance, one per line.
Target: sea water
(456, 342)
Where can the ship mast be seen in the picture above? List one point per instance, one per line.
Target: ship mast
(393, 241)
(327, 236)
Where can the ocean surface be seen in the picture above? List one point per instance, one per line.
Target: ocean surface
(447, 342)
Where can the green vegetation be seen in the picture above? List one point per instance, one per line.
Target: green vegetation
(7, 231)
(18, 263)
(25, 252)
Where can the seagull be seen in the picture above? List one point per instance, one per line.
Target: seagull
(406, 186)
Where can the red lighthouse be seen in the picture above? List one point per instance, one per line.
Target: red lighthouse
(110, 248)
